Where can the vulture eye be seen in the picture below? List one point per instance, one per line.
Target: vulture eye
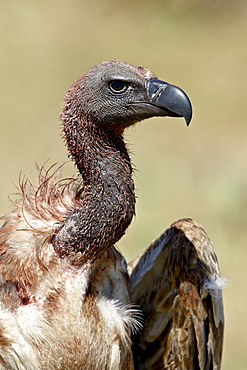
(118, 86)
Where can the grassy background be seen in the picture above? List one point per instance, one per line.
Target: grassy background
(197, 172)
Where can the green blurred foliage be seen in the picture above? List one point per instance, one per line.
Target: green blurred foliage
(197, 172)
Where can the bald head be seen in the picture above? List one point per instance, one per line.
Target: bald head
(116, 94)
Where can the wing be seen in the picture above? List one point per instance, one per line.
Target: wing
(177, 284)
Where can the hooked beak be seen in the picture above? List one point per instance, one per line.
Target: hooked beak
(163, 99)
(169, 100)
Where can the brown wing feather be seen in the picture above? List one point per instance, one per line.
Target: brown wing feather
(176, 282)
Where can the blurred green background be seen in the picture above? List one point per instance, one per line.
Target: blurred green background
(197, 172)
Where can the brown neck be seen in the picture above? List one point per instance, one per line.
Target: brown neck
(108, 201)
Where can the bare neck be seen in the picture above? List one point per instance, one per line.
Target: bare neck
(108, 202)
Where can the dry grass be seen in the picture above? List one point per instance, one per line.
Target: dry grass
(197, 172)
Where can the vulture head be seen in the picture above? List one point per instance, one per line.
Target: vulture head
(115, 94)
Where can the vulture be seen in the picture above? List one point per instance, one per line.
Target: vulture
(68, 299)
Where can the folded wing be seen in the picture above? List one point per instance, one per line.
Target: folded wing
(176, 282)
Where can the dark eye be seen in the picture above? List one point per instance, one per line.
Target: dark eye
(118, 86)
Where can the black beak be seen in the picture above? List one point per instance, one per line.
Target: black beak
(169, 100)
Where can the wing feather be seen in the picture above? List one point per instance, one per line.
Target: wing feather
(176, 282)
